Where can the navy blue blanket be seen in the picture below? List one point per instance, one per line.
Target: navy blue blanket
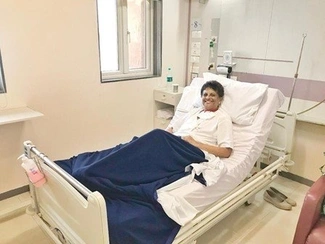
(128, 176)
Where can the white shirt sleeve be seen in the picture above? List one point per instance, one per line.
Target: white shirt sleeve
(224, 132)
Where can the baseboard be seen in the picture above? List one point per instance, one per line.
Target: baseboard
(293, 177)
(296, 178)
(14, 192)
(14, 210)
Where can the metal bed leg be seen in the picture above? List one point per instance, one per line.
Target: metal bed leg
(33, 208)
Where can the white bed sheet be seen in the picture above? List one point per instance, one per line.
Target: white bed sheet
(185, 198)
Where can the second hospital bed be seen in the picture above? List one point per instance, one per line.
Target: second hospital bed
(70, 213)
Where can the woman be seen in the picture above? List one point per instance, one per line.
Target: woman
(208, 127)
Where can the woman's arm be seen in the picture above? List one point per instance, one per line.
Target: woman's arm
(177, 122)
(222, 152)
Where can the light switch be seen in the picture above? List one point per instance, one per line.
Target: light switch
(195, 52)
(195, 69)
(195, 59)
(196, 34)
(196, 44)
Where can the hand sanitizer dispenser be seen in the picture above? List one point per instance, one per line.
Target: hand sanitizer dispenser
(33, 172)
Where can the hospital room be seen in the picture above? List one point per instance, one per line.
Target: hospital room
(84, 82)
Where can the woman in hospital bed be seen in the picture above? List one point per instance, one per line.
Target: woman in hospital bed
(129, 175)
(207, 128)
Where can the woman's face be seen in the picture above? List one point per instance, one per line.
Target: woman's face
(210, 100)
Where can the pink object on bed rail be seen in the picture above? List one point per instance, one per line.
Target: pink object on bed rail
(33, 172)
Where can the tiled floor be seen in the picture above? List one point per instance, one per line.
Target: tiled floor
(258, 223)
(21, 228)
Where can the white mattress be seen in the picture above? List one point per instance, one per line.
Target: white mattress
(183, 199)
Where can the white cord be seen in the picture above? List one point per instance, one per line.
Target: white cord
(311, 107)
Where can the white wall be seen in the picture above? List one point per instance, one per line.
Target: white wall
(51, 64)
(272, 29)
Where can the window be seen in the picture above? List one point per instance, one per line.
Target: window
(129, 38)
(2, 78)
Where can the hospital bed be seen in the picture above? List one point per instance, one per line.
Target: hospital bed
(71, 213)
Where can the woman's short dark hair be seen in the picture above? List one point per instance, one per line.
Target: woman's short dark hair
(216, 86)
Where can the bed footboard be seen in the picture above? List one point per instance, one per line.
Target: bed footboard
(67, 211)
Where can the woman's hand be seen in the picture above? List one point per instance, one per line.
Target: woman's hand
(169, 129)
(190, 140)
(222, 152)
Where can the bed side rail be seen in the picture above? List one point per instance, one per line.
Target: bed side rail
(29, 147)
(218, 211)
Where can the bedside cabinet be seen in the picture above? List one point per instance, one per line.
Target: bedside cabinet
(165, 100)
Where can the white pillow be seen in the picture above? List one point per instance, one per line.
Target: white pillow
(189, 97)
(221, 79)
(241, 99)
(197, 82)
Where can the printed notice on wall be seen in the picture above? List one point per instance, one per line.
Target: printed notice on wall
(196, 24)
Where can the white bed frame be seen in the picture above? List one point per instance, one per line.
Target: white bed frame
(70, 213)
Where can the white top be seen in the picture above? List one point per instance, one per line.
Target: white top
(213, 128)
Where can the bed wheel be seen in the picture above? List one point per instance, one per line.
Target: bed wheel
(30, 210)
(60, 235)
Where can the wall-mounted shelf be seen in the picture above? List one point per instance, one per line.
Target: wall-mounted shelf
(14, 115)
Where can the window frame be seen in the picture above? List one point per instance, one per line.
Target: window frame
(153, 45)
(2, 77)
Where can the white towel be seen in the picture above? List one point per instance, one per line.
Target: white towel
(166, 113)
(211, 170)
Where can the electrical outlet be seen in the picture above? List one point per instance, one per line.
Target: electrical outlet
(214, 39)
(194, 75)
